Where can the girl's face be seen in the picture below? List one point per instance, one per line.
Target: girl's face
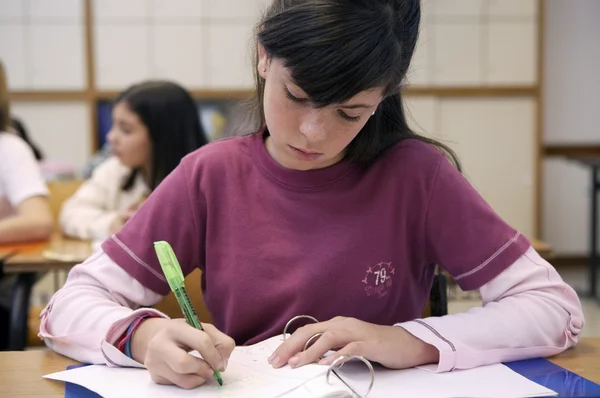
(303, 137)
(129, 138)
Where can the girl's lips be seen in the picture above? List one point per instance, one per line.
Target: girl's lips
(304, 154)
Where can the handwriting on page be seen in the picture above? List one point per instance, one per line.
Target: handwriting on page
(248, 374)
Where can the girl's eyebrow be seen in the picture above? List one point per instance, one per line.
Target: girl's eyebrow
(354, 106)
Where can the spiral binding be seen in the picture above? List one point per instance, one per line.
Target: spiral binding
(339, 362)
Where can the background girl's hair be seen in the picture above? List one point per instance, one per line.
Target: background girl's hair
(171, 116)
(4, 102)
(335, 49)
(22, 132)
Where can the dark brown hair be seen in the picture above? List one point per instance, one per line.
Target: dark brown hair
(4, 102)
(171, 116)
(335, 49)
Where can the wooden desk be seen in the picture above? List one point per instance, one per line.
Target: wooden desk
(26, 261)
(21, 372)
(58, 253)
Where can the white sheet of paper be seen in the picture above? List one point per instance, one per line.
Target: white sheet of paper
(250, 375)
(493, 381)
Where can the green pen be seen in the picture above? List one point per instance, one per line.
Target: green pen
(172, 270)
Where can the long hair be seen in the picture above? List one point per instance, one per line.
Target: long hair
(170, 114)
(335, 49)
(4, 101)
(7, 121)
(19, 127)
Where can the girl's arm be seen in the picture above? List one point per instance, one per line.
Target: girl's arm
(32, 221)
(88, 213)
(25, 190)
(528, 311)
(93, 309)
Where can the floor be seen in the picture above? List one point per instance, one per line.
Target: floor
(573, 275)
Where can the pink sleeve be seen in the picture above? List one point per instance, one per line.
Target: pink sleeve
(528, 311)
(93, 309)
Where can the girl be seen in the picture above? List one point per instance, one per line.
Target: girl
(24, 208)
(155, 124)
(335, 209)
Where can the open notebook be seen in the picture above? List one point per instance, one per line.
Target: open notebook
(249, 375)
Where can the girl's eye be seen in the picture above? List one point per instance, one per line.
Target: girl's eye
(347, 117)
(294, 99)
(297, 100)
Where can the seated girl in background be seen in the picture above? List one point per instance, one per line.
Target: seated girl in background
(155, 124)
(25, 213)
(24, 207)
(334, 208)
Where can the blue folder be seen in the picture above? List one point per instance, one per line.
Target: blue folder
(541, 371)
(552, 376)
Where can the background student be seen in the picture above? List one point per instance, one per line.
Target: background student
(155, 124)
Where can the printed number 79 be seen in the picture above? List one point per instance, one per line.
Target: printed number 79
(381, 276)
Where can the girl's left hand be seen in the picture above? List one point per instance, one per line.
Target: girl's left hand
(391, 346)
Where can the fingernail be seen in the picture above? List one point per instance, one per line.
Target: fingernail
(294, 361)
(225, 363)
(271, 358)
(324, 361)
(274, 360)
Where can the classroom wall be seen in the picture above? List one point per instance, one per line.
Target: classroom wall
(474, 43)
(204, 44)
(571, 117)
(42, 48)
(212, 41)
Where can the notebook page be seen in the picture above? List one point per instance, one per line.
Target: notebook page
(248, 374)
(495, 381)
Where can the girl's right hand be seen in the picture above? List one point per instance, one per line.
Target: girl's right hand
(162, 345)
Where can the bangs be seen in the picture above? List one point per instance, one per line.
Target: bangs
(332, 55)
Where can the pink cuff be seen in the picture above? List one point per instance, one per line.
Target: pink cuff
(423, 331)
(118, 328)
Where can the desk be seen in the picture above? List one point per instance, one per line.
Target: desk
(593, 162)
(27, 259)
(57, 253)
(21, 372)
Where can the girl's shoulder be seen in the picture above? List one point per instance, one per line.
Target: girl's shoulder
(111, 169)
(226, 152)
(10, 142)
(415, 157)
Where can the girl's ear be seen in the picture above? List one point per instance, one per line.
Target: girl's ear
(263, 62)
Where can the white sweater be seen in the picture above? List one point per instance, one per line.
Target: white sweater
(89, 213)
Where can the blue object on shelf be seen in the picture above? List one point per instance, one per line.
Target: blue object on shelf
(552, 376)
(104, 120)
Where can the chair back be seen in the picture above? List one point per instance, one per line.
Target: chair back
(60, 191)
(169, 306)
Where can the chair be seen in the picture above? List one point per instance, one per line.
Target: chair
(168, 305)
(59, 192)
(438, 298)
